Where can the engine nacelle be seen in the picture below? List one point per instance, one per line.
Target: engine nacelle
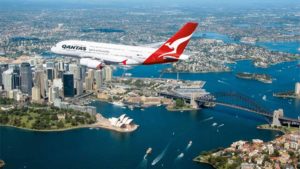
(91, 63)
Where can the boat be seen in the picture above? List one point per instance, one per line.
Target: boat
(130, 107)
(149, 150)
(214, 124)
(180, 155)
(118, 104)
(264, 97)
(190, 143)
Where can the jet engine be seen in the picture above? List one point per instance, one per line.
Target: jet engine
(91, 63)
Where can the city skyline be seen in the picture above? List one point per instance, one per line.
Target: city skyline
(239, 88)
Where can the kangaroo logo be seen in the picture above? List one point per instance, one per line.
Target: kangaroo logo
(174, 45)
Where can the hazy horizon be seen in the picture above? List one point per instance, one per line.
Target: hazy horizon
(145, 3)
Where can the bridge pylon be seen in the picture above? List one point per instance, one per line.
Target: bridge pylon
(193, 103)
(276, 115)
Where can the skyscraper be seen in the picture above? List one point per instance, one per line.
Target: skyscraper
(7, 79)
(68, 84)
(26, 78)
(89, 80)
(40, 81)
(3, 68)
(108, 73)
(16, 79)
(99, 79)
(36, 94)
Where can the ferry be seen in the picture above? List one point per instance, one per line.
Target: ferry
(149, 150)
(190, 143)
(118, 104)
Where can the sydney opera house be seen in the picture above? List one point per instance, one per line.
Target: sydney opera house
(121, 122)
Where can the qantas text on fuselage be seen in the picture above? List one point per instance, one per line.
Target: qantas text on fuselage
(96, 55)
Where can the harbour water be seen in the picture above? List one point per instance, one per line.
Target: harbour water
(166, 132)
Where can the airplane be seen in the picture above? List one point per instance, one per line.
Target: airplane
(96, 55)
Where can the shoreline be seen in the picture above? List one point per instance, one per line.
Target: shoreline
(93, 126)
(294, 58)
(204, 158)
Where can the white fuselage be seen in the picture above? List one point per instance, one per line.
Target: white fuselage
(104, 52)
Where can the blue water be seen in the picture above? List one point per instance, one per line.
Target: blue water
(290, 47)
(94, 149)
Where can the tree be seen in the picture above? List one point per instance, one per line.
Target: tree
(60, 124)
(179, 103)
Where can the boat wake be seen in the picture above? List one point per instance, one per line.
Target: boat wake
(210, 118)
(143, 164)
(264, 98)
(180, 156)
(160, 156)
(188, 146)
(221, 125)
(221, 81)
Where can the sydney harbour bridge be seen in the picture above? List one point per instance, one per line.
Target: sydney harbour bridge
(233, 100)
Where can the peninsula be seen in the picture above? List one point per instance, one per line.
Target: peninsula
(254, 76)
(38, 117)
(283, 152)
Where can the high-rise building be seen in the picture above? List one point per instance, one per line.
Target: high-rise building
(7, 79)
(40, 81)
(3, 68)
(89, 80)
(68, 85)
(50, 74)
(61, 66)
(26, 78)
(297, 89)
(108, 73)
(75, 69)
(79, 87)
(16, 79)
(53, 94)
(36, 94)
(99, 79)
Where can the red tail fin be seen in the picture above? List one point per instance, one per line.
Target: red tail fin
(174, 47)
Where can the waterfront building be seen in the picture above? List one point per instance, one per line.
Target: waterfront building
(36, 94)
(7, 79)
(26, 78)
(297, 89)
(68, 84)
(121, 122)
